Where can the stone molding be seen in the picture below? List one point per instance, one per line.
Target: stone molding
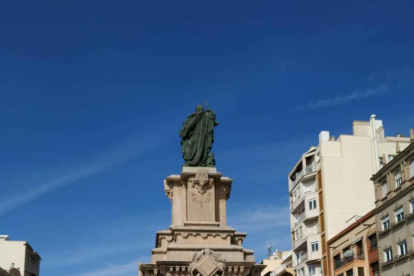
(184, 269)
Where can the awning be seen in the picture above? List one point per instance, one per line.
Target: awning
(348, 253)
(355, 241)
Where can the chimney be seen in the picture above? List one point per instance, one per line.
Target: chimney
(323, 136)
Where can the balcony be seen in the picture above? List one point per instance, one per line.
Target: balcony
(299, 200)
(281, 268)
(302, 259)
(373, 254)
(347, 260)
(294, 205)
(298, 177)
(310, 168)
(298, 219)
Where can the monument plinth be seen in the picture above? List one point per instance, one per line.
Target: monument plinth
(198, 241)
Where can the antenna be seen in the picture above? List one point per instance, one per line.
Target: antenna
(269, 248)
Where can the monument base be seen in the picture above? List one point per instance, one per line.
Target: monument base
(198, 242)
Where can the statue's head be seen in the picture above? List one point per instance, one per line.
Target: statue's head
(199, 108)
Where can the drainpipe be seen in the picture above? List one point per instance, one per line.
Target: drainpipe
(374, 143)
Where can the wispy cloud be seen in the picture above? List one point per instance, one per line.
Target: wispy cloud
(114, 270)
(264, 223)
(130, 148)
(256, 218)
(393, 81)
(82, 255)
(343, 99)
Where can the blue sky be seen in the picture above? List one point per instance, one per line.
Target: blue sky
(93, 93)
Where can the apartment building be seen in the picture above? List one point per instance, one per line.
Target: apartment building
(331, 184)
(394, 201)
(354, 252)
(17, 258)
(272, 262)
(285, 268)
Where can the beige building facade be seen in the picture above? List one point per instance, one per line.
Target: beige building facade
(394, 194)
(354, 250)
(272, 262)
(330, 185)
(18, 258)
(285, 268)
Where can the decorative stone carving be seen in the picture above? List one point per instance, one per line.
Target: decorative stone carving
(168, 190)
(201, 181)
(201, 199)
(202, 184)
(207, 263)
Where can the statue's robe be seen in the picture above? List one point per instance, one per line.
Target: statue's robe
(197, 138)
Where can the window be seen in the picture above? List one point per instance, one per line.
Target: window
(315, 246)
(412, 168)
(399, 214)
(312, 270)
(388, 254)
(385, 223)
(412, 206)
(402, 248)
(381, 161)
(390, 157)
(337, 260)
(294, 197)
(398, 179)
(312, 204)
(384, 188)
(372, 242)
(350, 272)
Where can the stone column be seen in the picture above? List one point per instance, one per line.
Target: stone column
(177, 204)
(184, 200)
(221, 194)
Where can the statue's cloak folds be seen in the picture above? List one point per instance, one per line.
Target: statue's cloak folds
(197, 138)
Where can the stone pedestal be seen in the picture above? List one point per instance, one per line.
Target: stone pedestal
(198, 242)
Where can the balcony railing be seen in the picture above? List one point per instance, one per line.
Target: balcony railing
(299, 219)
(302, 258)
(310, 168)
(282, 268)
(298, 176)
(347, 260)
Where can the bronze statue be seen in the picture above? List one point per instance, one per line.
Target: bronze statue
(197, 137)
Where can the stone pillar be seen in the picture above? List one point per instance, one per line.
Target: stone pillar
(221, 194)
(177, 204)
(184, 200)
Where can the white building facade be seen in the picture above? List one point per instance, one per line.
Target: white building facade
(329, 185)
(17, 258)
